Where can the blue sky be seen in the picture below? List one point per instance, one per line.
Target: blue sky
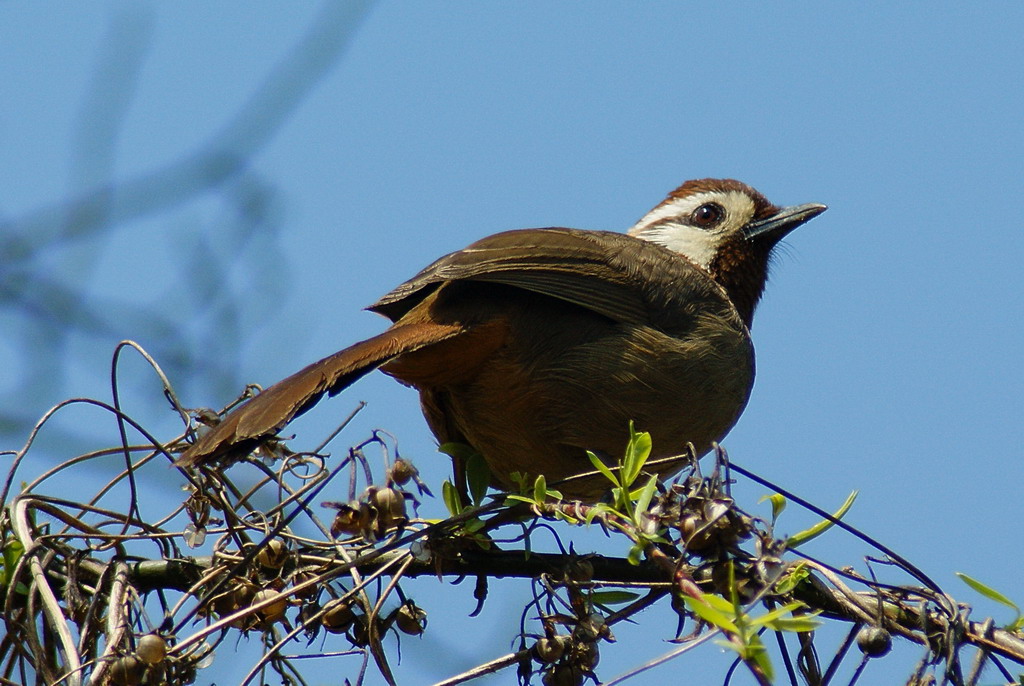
(889, 342)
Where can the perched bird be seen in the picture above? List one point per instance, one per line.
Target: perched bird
(534, 346)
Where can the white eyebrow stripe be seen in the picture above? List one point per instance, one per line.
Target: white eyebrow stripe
(668, 225)
(736, 203)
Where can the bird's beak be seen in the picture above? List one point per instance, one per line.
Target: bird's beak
(783, 221)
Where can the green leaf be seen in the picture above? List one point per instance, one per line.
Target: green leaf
(566, 518)
(719, 603)
(540, 489)
(478, 477)
(821, 527)
(711, 615)
(602, 467)
(757, 653)
(612, 597)
(644, 500)
(595, 510)
(987, 591)
(13, 550)
(781, 619)
(457, 451)
(778, 504)
(474, 525)
(636, 554)
(802, 624)
(637, 452)
(521, 480)
(775, 614)
(450, 495)
(791, 578)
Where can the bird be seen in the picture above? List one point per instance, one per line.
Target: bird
(535, 346)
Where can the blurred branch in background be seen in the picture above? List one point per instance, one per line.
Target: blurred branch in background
(49, 257)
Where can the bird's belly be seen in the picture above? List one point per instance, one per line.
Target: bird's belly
(540, 416)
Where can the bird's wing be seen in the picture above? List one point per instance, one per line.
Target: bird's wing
(270, 411)
(624, 278)
(621, 277)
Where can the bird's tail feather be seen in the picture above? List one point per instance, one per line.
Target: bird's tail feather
(270, 411)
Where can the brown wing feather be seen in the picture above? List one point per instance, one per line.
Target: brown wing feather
(624, 278)
(270, 411)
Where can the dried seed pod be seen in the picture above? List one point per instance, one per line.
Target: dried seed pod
(717, 509)
(401, 472)
(590, 628)
(126, 671)
(410, 619)
(300, 578)
(874, 641)
(275, 610)
(273, 555)
(563, 674)
(353, 519)
(581, 570)
(237, 595)
(359, 633)
(338, 616)
(151, 649)
(585, 656)
(390, 505)
(550, 649)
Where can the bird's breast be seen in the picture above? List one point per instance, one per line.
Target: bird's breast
(542, 381)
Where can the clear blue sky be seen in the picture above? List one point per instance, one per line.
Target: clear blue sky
(890, 340)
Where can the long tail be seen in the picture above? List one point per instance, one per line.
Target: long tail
(266, 414)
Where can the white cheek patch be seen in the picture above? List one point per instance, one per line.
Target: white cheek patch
(667, 224)
(698, 245)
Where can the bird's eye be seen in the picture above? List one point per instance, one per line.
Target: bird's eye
(707, 215)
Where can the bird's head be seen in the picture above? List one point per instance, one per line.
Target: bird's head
(726, 228)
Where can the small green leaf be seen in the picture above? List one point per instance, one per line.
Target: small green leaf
(802, 624)
(521, 480)
(791, 578)
(719, 603)
(757, 653)
(595, 510)
(778, 504)
(13, 550)
(612, 597)
(637, 452)
(457, 451)
(602, 467)
(711, 615)
(478, 477)
(987, 591)
(636, 554)
(566, 518)
(540, 489)
(752, 651)
(821, 527)
(450, 495)
(775, 614)
(644, 500)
